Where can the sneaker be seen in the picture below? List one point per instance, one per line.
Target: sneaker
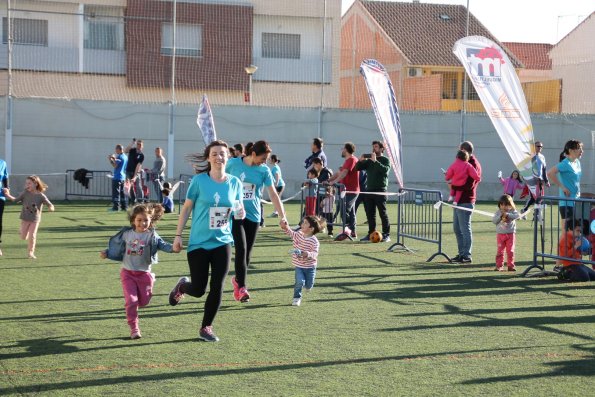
(296, 302)
(175, 296)
(512, 268)
(466, 259)
(499, 269)
(365, 238)
(135, 334)
(236, 289)
(274, 215)
(455, 203)
(331, 235)
(244, 295)
(353, 235)
(386, 238)
(206, 334)
(456, 259)
(32, 255)
(450, 198)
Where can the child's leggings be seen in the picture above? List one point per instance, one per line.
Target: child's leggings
(505, 243)
(29, 232)
(138, 290)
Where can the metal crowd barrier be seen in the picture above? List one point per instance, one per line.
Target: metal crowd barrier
(92, 183)
(419, 219)
(183, 189)
(548, 228)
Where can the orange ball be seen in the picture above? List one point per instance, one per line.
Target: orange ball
(375, 236)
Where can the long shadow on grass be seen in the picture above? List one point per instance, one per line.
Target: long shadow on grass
(483, 318)
(252, 369)
(584, 367)
(52, 346)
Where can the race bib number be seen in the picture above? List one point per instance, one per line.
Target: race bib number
(218, 217)
(249, 191)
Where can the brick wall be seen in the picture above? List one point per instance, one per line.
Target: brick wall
(226, 46)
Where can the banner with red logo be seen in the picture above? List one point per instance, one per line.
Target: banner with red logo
(384, 103)
(499, 89)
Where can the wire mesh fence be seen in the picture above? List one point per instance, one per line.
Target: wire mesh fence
(284, 54)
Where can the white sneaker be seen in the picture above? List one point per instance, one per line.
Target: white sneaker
(296, 302)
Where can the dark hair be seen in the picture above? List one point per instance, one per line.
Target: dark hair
(350, 147)
(317, 160)
(506, 199)
(199, 161)
(258, 148)
(154, 210)
(519, 177)
(239, 147)
(562, 155)
(572, 144)
(571, 223)
(380, 144)
(316, 222)
(467, 146)
(463, 155)
(275, 159)
(314, 172)
(318, 142)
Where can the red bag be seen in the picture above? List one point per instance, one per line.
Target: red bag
(525, 192)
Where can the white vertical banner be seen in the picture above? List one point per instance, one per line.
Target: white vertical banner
(501, 94)
(384, 103)
(205, 122)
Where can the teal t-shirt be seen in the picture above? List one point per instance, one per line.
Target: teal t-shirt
(570, 176)
(212, 210)
(254, 178)
(276, 170)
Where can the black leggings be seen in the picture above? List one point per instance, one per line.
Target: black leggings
(2, 202)
(244, 234)
(199, 261)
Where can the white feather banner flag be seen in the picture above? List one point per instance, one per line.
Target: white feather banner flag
(501, 94)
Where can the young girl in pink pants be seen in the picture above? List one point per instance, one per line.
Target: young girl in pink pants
(136, 247)
(505, 221)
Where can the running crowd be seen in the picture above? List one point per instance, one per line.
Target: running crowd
(224, 203)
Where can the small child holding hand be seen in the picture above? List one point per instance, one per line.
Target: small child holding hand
(304, 255)
(136, 247)
(33, 200)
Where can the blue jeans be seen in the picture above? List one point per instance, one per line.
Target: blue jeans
(350, 199)
(303, 277)
(461, 224)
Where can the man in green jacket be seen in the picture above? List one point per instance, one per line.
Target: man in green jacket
(377, 167)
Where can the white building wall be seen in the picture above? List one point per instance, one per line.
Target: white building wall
(573, 60)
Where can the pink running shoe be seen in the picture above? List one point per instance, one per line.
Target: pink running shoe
(175, 296)
(236, 289)
(244, 295)
(206, 334)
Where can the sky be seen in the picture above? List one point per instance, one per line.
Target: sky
(528, 21)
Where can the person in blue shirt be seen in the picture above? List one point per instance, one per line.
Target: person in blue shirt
(255, 176)
(3, 185)
(567, 176)
(119, 161)
(212, 197)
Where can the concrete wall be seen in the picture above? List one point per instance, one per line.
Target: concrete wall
(51, 136)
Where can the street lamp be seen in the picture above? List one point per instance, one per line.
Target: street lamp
(250, 70)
